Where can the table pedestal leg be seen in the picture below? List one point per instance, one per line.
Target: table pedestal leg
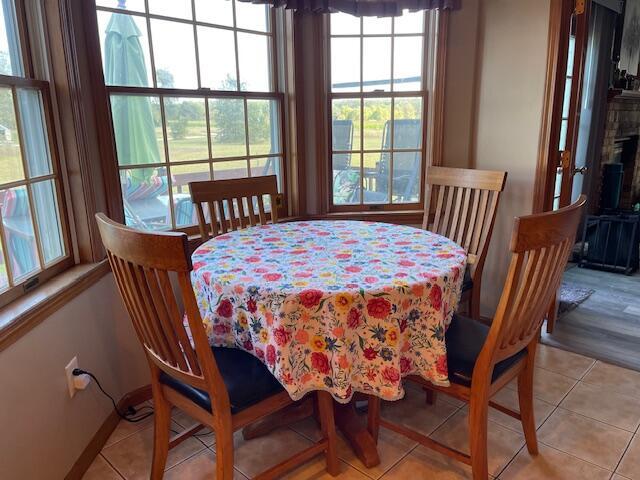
(356, 433)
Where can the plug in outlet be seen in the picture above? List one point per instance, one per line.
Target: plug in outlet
(73, 364)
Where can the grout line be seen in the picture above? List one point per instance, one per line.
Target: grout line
(511, 460)
(575, 456)
(596, 420)
(623, 454)
(112, 466)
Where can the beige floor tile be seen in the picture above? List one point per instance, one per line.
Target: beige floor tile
(254, 456)
(565, 363)
(124, 429)
(132, 456)
(548, 386)
(616, 379)
(206, 436)
(630, 464)
(391, 448)
(551, 464)
(585, 438)
(101, 470)
(503, 443)
(425, 463)
(308, 428)
(618, 477)
(316, 470)
(413, 412)
(199, 467)
(509, 398)
(602, 404)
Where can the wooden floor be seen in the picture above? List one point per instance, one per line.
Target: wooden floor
(607, 325)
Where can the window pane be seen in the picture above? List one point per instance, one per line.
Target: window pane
(346, 179)
(345, 129)
(407, 63)
(171, 8)
(125, 50)
(138, 129)
(563, 134)
(264, 128)
(174, 54)
(134, 5)
(219, 12)
(227, 127)
(406, 176)
(376, 64)
(409, 22)
(145, 195)
(232, 169)
(186, 129)
(345, 64)
(566, 101)
(11, 168)
(376, 25)
(36, 142)
(252, 17)
(20, 239)
(407, 123)
(377, 117)
(376, 177)
(261, 167)
(10, 54)
(254, 62)
(48, 216)
(181, 175)
(217, 55)
(344, 24)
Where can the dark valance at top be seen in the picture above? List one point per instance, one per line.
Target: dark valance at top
(362, 8)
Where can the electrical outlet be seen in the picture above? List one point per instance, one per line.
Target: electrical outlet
(73, 364)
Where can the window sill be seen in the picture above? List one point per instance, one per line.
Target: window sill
(402, 217)
(23, 314)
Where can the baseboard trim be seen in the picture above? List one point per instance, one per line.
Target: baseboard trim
(100, 438)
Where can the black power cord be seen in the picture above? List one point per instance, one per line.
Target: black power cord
(129, 415)
(131, 411)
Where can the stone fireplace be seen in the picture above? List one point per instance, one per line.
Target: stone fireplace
(620, 144)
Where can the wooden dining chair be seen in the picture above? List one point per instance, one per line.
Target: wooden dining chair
(483, 359)
(461, 205)
(232, 204)
(224, 389)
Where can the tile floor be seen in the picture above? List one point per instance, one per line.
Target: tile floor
(587, 413)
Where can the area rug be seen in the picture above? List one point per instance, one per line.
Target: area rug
(572, 295)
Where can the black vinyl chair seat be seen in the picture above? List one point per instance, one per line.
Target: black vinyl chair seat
(465, 339)
(247, 379)
(467, 281)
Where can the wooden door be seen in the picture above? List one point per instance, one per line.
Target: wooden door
(574, 32)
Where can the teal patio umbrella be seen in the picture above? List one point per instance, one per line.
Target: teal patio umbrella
(133, 120)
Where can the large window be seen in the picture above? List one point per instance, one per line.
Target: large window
(377, 95)
(193, 96)
(33, 235)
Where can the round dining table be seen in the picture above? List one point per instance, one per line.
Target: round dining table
(339, 306)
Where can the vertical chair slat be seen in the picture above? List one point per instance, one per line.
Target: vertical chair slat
(223, 217)
(202, 222)
(232, 216)
(241, 215)
(437, 218)
(463, 216)
(252, 215)
(456, 213)
(261, 211)
(473, 218)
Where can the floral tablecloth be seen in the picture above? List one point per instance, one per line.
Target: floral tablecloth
(340, 306)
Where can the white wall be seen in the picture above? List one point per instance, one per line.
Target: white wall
(43, 431)
(512, 56)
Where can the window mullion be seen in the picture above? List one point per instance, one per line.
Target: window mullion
(167, 163)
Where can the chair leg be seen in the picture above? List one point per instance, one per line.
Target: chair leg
(161, 433)
(224, 453)
(373, 417)
(328, 425)
(552, 315)
(525, 398)
(478, 418)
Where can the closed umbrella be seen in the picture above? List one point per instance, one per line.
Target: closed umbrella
(133, 121)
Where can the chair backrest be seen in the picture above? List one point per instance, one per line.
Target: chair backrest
(342, 133)
(464, 204)
(228, 199)
(540, 247)
(143, 264)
